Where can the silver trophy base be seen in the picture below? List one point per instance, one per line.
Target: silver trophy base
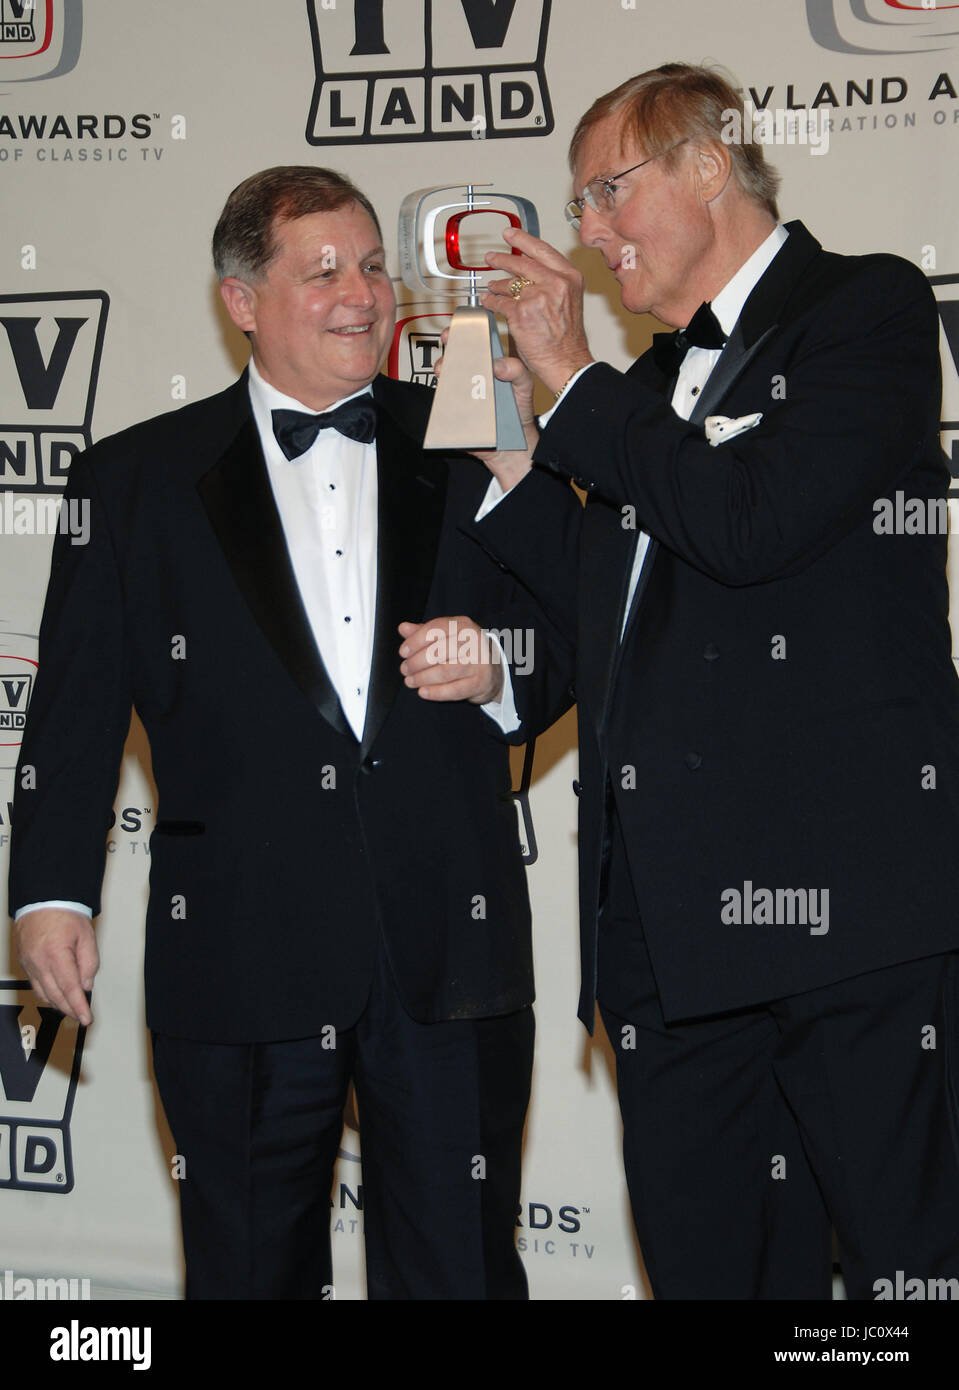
(472, 408)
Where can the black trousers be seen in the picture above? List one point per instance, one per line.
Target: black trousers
(747, 1135)
(442, 1108)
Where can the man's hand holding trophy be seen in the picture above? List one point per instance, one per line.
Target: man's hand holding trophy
(443, 251)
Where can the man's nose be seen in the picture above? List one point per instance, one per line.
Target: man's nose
(593, 230)
(357, 288)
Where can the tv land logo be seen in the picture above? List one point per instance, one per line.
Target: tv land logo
(883, 26)
(39, 1071)
(50, 348)
(415, 347)
(390, 70)
(39, 39)
(16, 686)
(947, 293)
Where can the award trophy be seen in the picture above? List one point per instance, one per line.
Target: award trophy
(472, 408)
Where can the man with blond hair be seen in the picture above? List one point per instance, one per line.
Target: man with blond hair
(769, 740)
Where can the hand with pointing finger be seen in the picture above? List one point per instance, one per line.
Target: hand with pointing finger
(542, 302)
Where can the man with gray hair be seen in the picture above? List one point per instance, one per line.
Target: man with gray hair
(768, 709)
(336, 883)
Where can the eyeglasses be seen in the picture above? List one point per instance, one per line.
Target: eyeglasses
(600, 194)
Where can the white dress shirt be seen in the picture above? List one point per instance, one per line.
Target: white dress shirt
(327, 504)
(326, 500)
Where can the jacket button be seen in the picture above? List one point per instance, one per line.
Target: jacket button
(368, 764)
(694, 760)
(711, 652)
(576, 788)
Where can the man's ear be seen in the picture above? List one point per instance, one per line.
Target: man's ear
(713, 169)
(240, 301)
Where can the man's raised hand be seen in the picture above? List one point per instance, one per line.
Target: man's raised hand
(546, 316)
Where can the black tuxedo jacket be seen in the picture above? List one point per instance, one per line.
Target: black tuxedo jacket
(282, 843)
(782, 711)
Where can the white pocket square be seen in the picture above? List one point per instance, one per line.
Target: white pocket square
(722, 427)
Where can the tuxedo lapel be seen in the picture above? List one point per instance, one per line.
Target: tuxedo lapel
(733, 361)
(760, 317)
(238, 499)
(765, 306)
(606, 563)
(411, 498)
(652, 550)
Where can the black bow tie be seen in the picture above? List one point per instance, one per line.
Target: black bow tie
(295, 430)
(703, 330)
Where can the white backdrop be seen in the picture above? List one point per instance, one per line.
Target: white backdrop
(122, 129)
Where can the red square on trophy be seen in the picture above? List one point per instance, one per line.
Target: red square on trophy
(480, 234)
(443, 240)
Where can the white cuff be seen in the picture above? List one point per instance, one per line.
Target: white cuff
(503, 710)
(53, 902)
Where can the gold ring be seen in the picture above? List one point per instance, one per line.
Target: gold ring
(516, 286)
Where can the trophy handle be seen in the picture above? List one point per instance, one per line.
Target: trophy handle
(461, 418)
(409, 221)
